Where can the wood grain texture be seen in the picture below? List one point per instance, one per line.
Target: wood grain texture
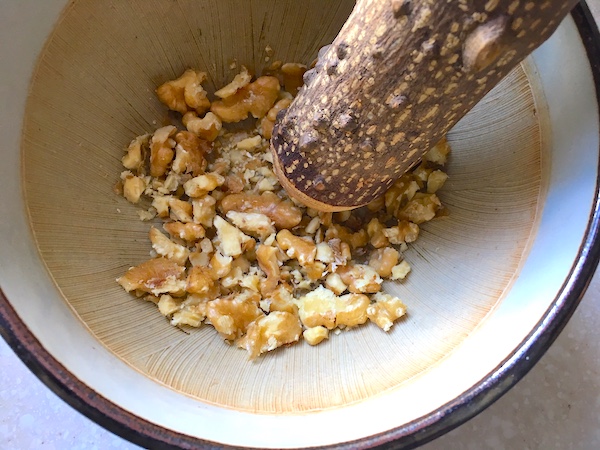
(399, 75)
(93, 93)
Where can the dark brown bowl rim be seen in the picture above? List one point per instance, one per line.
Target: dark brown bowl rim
(416, 433)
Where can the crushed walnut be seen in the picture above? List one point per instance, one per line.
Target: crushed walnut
(238, 253)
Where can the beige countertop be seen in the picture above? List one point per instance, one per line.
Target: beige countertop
(556, 406)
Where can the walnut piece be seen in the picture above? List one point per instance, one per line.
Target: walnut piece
(134, 159)
(383, 261)
(296, 247)
(256, 98)
(283, 213)
(155, 276)
(254, 224)
(190, 232)
(385, 310)
(268, 262)
(231, 315)
(270, 332)
(207, 128)
(190, 153)
(231, 238)
(161, 150)
(239, 81)
(360, 279)
(322, 307)
(185, 93)
(315, 335)
(133, 188)
(167, 248)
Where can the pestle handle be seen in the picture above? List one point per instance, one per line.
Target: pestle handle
(397, 77)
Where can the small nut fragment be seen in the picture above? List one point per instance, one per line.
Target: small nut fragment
(385, 310)
(203, 184)
(400, 271)
(189, 153)
(250, 143)
(199, 280)
(280, 299)
(435, 181)
(207, 128)
(190, 232)
(296, 247)
(355, 240)
(167, 248)
(334, 283)
(185, 93)
(282, 213)
(257, 98)
(254, 224)
(134, 159)
(268, 122)
(439, 153)
(375, 231)
(421, 208)
(187, 317)
(161, 204)
(167, 305)
(181, 210)
(351, 310)
(231, 315)
(403, 232)
(220, 265)
(315, 335)
(269, 332)
(317, 308)
(322, 307)
(239, 81)
(133, 188)
(383, 260)
(232, 239)
(161, 150)
(360, 279)
(268, 262)
(156, 276)
(204, 210)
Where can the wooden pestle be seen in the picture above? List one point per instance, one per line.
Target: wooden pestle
(397, 77)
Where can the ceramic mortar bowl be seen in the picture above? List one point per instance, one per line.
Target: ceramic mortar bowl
(491, 286)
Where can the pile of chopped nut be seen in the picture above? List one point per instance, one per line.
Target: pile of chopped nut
(235, 251)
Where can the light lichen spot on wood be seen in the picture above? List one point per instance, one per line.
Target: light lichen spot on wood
(491, 5)
(516, 24)
(513, 7)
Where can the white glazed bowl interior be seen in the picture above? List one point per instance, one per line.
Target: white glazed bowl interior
(521, 191)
